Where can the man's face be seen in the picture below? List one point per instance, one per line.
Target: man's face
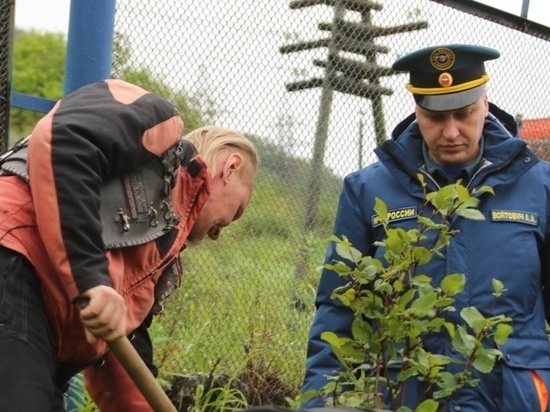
(453, 137)
(228, 200)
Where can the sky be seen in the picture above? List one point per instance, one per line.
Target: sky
(53, 15)
(259, 111)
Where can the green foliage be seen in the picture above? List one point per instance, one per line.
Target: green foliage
(225, 309)
(395, 307)
(38, 70)
(203, 394)
(241, 300)
(218, 399)
(124, 68)
(80, 401)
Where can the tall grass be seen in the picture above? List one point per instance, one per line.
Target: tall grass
(243, 299)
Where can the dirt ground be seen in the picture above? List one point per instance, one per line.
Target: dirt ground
(258, 389)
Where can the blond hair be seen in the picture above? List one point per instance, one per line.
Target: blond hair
(212, 141)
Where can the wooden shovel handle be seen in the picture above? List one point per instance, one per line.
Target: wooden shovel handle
(141, 375)
(136, 368)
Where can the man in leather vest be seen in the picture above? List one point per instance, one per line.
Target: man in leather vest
(97, 205)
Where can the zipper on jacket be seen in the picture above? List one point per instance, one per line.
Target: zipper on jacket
(487, 163)
(429, 176)
(148, 276)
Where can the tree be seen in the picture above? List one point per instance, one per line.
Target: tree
(123, 68)
(38, 70)
(396, 306)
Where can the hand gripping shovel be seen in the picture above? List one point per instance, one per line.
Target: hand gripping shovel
(139, 372)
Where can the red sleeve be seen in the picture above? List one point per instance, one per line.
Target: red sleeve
(100, 131)
(112, 389)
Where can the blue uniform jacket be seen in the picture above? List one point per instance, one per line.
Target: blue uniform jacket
(511, 244)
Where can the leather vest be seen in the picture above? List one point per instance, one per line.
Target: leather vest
(135, 207)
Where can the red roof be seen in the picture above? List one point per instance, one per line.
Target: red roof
(535, 129)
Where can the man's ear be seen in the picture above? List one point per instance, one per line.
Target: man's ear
(232, 166)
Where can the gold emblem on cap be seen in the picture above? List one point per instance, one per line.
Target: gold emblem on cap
(442, 58)
(445, 79)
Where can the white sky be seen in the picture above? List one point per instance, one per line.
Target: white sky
(53, 15)
(539, 10)
(43, 15)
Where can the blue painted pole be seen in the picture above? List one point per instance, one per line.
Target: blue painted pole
(89, 43)
(89, 50)
(524, 8)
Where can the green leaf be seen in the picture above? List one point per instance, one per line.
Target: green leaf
(462, 341)
(406, 374)
(445, 303)
(429, 405)
(347, 297)
(405, 298)
(436, 324)
(425, 302)
(348, 253)
(419, 279)
(483, 189)
(471, 214)
(485, 360)
(462, 194)
(337, 344)
(421, 179)
(338, 267)
(498, 287)
(442, 200)
(471, 202)
(502, 332)
(394, 241)
(422, 255)
(446, 380)
(381, 210)
(473, 318)
(450, 328)
(361, 330)
(430, 197)
(453, 284)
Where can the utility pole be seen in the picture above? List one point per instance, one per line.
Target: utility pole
(359, 77)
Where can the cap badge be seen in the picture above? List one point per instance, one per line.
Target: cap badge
(445, 79)
(442, 58)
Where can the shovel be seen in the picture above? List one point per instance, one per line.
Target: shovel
(139, 372)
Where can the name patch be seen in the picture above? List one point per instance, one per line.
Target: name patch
(396, 215)
(514, 216)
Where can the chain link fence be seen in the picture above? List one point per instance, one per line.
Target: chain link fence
(310, 82)
(6, 37)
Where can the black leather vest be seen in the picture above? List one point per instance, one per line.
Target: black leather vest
(135, 207)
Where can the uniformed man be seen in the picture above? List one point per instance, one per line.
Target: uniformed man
(455, 133)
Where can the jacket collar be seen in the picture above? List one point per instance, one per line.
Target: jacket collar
(402, 154)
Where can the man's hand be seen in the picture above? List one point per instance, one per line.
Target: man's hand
(104, 316)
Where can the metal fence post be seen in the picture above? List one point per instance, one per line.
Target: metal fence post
(89, 43)
(7, 12)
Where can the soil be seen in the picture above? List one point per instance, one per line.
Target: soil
(258, 389)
